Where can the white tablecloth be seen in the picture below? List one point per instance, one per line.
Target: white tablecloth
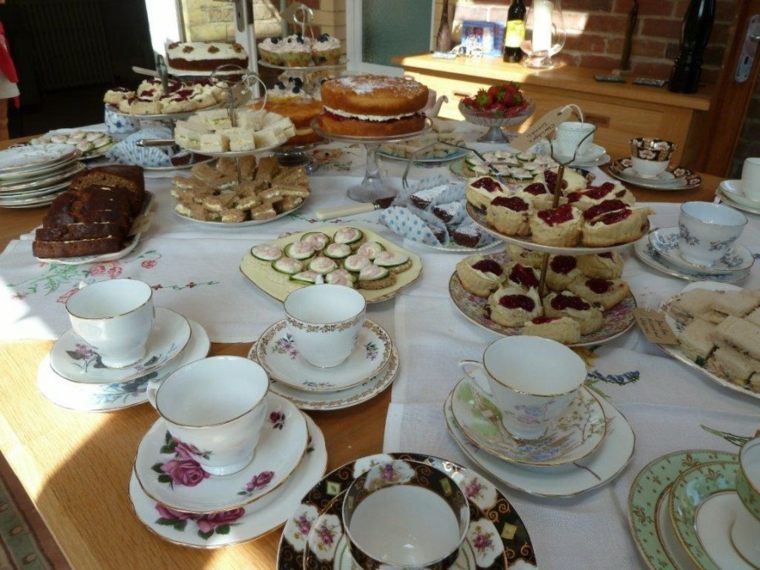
(194, 270)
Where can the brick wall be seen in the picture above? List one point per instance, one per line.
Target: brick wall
(210, 20)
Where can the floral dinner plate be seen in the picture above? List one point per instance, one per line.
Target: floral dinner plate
(169, 474)
(278, 355)
(214, 530)
(618, 320)
(311, 534)
(648, 506)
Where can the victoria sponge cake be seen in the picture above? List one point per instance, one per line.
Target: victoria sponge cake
(373, 105)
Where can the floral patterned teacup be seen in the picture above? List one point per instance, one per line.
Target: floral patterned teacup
(706, 231)
(532, 381)
(324, 321)
(405, 514)
(115, 318)
(216, 407)
(746, 528)
(651, 157)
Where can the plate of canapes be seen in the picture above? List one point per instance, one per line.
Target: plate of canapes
(586, 302)
(588, 219)
(718, 330)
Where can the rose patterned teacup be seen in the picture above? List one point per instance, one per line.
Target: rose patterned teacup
(405, 514)
(115, 318)
(216, 406)
(706, 231)
(324, 321)
(532, 380)
(745, 532)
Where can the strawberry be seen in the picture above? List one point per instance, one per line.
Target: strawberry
(482, 99)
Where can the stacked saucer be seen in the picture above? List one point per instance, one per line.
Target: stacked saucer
(73, 374)
(660, 250)
(32, 176)
(682, 507)
(368, 371)
(732, 192)
(236, 464)
(583, 450)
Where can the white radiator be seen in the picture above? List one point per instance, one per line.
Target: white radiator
(70, 45)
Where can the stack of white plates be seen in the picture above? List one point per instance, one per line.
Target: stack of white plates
(32, 176)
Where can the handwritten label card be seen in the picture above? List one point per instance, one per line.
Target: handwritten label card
(542, 128)
(654, 326)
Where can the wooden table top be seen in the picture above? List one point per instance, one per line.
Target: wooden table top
(76, 466)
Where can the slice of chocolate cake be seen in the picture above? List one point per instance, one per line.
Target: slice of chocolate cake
(467, 235)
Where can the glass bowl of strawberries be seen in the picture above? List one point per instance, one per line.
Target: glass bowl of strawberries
(501, 105)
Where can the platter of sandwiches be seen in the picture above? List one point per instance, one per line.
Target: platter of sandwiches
(718, 330)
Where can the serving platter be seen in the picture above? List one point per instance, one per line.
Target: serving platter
(246, 224)
(279, 286)
(676, 352)
(479, 217)
(617, 320)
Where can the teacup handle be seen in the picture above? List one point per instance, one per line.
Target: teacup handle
(479, 377)
(152, 389)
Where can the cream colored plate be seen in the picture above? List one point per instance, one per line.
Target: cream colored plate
(279, 285)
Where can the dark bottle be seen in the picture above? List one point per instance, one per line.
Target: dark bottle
(515, 32)
(695, 33)
(443, 39)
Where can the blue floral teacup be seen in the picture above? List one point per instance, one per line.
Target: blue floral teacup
(706, 231)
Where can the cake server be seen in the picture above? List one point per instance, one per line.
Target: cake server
(354, 209)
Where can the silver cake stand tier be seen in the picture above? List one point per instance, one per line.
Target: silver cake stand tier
(373, 187)
(495, 134)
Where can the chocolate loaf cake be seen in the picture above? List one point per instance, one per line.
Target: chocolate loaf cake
(94, 216)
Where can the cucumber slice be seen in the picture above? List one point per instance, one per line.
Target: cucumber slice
(526, 156)
(299, 250)
(373, 273)
(337, 251)
(348, 235)
(391, 259)
(322, 265)
(371, 249)
(287, 265)
(318, 240)
(266, 252)
(309, 277)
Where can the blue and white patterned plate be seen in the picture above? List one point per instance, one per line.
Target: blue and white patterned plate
(665, 242)
(648, 256)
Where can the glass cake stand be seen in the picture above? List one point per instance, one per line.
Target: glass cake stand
(373, 187)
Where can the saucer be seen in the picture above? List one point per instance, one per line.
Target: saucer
(649, 256)
(730, 191)
(558, 481)
(328, 548)
(509, 546)
(73, 359)
(278, 355)
(325, 401)
(648, 506)
(674, 178)
(571, 438)
(665, 242)
(733, 190)
(703, 506)
(594, 153)
(280, 449)
(110, 397)
(238, 526)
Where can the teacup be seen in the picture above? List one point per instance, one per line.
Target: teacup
(405, 514)
(216, 408)
(532, 380)
(751, 178)
(571, 135)
(115, 318)
(706, 231)
(651, 157)
(324, 321)
(745, 532)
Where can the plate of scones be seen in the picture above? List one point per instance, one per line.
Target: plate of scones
(340, 255)
(212, 196)
(586, 301)
(589, 218)
(718, 330)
